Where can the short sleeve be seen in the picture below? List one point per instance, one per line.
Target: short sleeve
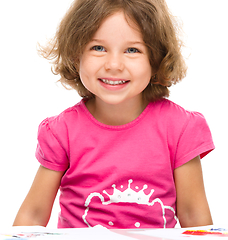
(195, 139)
(50, 151)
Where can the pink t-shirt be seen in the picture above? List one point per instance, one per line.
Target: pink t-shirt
(121, 176)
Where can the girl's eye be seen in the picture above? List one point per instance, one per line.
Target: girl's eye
(132, 50)
(98, 48)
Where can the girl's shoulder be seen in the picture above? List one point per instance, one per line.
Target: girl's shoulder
(171, 106)
(176, 119)
(66, 116)
(171, 110)
(59, 124)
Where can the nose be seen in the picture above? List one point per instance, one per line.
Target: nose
(114, 62)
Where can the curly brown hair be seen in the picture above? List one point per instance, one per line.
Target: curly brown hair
(159, 31)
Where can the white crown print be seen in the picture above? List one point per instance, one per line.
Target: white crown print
(129, 195)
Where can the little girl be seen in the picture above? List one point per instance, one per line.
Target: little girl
(125, 156)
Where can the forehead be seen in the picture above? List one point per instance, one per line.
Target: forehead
(120, 27)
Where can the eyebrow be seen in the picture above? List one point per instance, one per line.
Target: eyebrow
(129, 42)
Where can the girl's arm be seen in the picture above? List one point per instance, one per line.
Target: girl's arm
(37, 206)
(192, 205)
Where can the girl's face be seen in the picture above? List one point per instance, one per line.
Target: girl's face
(114, 65)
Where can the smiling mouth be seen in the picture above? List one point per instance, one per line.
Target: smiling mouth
(111, 82)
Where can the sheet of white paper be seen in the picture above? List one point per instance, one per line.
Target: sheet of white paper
(101, 233)
(177, 234)
(41, 233)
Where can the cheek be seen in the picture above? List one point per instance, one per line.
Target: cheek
(83, 65)
(141, 65)
(83, 73)
(88, 69)
(85, 70)
(88, 66)
(143, 71)
(148, 72)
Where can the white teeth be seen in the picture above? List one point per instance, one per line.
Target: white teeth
(112, 82)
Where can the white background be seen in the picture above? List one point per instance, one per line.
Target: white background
(29, 93)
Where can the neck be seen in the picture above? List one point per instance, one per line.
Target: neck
(115, 114)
